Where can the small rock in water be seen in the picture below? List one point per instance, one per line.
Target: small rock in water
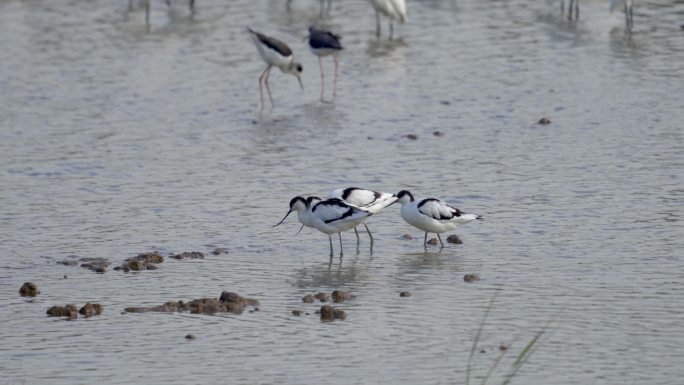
(433, 241)
(297, 312)
(503, 347)
(341, 296)
(188, 255)
(370, 138)
(308, 298)
(65, 277)
(220, 250)
(329, 313)
(445, 102)
(323, 297)
(412, 136)
(453, 238)
(98, 265)
(228, 303)
(471, 277)
(68, 311)
(406, 236)
(405, 294)
(29, 289)
(438, 133)
(68, 262)
(189, 337)
(544, 120)
(145, 261)
(90, 309)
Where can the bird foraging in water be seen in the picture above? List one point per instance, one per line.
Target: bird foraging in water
(331, 216)
(325, 43)
(627, 7)
(372, 201)
(432, 215)
(275, 53)
(393, 9)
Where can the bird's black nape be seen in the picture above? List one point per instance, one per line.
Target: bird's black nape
(403, 193)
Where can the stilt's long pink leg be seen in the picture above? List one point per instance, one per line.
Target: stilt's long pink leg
(268, 89)
(261, 91)
(320, 64)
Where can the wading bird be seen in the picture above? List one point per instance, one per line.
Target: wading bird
(275, 53)
(331, 216)
(325, 43)
(372, 201)
(393, 9)
(432, 215)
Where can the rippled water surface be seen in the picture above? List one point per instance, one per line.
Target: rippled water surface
(117, 140)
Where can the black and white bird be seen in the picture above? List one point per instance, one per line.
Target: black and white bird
(395, 10)
(432, 215)
(275, 53)
(628, 8)
(325, 43)
(372, 201)
(331, 216)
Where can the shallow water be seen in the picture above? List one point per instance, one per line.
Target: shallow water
(116, 140)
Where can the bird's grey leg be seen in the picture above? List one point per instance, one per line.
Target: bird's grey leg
(340, 235)
(130, 5)
(576, 9)
(371, 238)
(328, 8)
(191, 5)
(626, 17)
(268, 89)
(261, 91)
(440, 240)
(562, 7)
(320, 64)
(631, 16)
(425, 241)
(335, 81)
(357, 237)
(570, 10)
(377, 24)
(391, 28)
(369, 234)
(331, 249)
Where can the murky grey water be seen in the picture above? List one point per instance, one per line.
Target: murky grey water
(115, 140)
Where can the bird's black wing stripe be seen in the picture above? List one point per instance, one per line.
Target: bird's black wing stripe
(348, 213)
(274, 44)
(347, 192)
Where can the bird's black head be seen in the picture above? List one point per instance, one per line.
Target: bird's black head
(294, 201)
(310, 200)
(403, 195)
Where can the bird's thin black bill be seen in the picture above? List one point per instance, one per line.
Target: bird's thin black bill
(282, 220)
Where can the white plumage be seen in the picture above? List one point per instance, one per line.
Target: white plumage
(372, 201)
(395, 10)
(432, 215)
(329, 216)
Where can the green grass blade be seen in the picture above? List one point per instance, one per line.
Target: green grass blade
(477, 338)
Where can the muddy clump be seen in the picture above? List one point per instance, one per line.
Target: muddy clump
(188, 255)
(228, 302)
(544, 120)
(453, 238)
(321, 296)
(90, 309)
(29, 289)
(406, 237)
(471, 277)
(308, 298)
(189, 337)
(220, 250)
(145, 261)
(433, 242)
(405, 294)
(68, 311)
(329, 313)
(412, 136)
(341, 296)
(98, 265)
(438, 133)
(297, 312)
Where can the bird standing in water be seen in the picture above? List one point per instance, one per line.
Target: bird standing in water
(275, 53)
(325, 43)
